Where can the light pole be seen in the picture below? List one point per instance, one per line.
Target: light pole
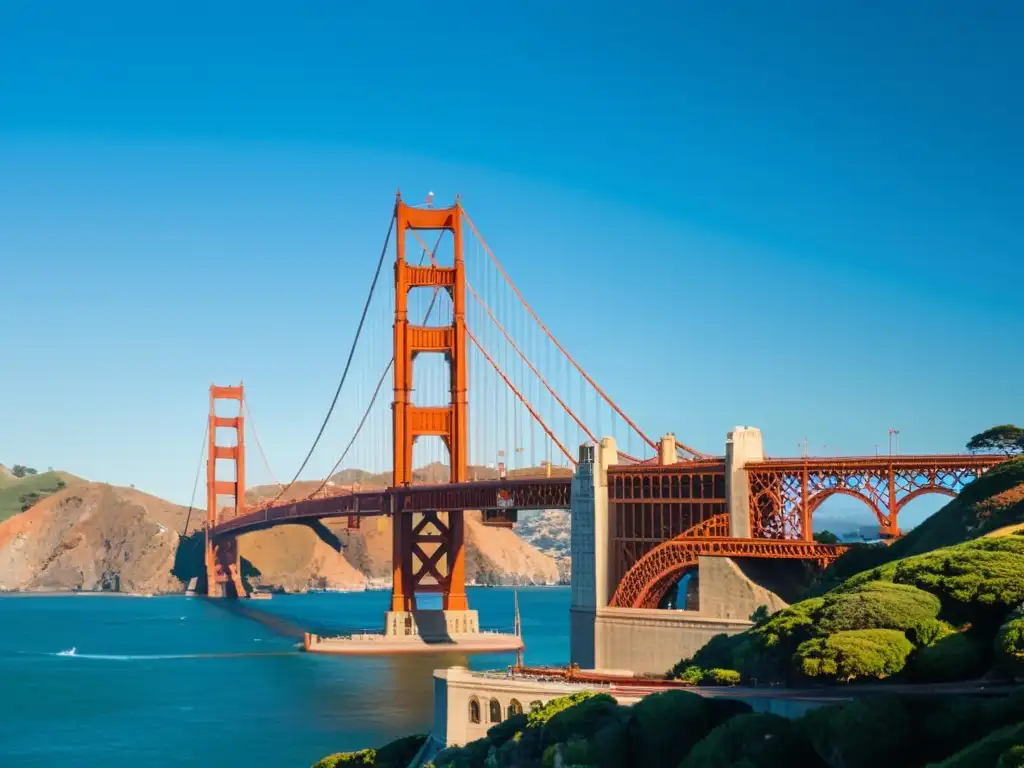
(894, 433)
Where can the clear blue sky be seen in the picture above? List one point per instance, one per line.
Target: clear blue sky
(823, 198)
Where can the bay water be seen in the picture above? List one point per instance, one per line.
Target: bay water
(184, 681)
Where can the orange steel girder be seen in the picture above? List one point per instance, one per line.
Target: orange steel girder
(650, 578)
(785, 493)
(450, 423)
(223, 564)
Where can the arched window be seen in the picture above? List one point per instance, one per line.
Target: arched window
(535, 705)
(515, 708)
(474, 710)
(495, 711)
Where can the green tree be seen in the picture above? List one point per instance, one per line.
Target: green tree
(826, 537)
(20, 470)
(1006, 438)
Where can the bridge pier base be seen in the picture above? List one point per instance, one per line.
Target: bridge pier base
(743, 444)
(224, 568)
(431, 625)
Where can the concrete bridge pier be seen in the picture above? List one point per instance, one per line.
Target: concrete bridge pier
(743, 444)
(590, 547)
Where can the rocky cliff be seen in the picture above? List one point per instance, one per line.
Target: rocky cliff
(96, 536)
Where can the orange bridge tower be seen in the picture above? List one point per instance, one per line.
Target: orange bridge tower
(428, 551)
(223, 564)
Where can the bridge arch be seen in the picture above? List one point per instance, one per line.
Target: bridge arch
(924, 491)
(650, 577)
(821, 497)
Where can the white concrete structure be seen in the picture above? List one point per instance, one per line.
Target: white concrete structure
(642, 640)
(743, 444)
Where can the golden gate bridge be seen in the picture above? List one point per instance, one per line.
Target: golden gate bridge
(486, 409)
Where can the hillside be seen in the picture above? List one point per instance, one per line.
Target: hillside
(943, 604)
(17, 492)
(92, 536)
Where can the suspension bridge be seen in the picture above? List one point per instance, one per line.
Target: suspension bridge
(489, 412)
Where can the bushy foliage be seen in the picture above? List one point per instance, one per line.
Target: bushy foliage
(540, 716)
(753, 741)
(957, 656)
(868, 731)
(974, 580)
(1009, 646)
(877, 605)
(395, 754)
(990, 750)
(722, 677)
(664, 727)
(691, 674)
(859, 654)
(339, 759)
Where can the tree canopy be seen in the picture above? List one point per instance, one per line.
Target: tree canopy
(1006, 438)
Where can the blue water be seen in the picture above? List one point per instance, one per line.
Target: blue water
(157, 681)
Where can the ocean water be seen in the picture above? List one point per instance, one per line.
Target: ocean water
(178, 681)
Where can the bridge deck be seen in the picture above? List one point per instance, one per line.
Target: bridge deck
(521, 494)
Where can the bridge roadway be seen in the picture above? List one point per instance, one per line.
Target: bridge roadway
(520, 494)
(533, 493)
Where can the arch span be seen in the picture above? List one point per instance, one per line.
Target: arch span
(822, 496)
(646, 583)
(924, 492)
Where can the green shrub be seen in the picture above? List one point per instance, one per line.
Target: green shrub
(664, 727)
(339, 759)
(753, 741)
(719, 651)
(691, 675)
(722, 677)
(506, 729)
(869, 731)
(1012, 758)
(954, 657)
(860, 654)
(928, 632)
(539, 717)
(989, 751)
(877, 605)
(1009, 646)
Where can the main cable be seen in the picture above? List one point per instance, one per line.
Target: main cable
(351, 354)
(380, 383)
(195, 485)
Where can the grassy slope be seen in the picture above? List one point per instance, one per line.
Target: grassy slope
(13, 488)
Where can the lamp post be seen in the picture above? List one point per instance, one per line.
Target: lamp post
(894, 433)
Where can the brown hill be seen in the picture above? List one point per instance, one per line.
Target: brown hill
(92, 536)
(96, 536)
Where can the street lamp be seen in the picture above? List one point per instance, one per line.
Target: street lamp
(894, 433)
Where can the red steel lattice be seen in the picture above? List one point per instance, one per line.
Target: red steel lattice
(784, 493)
(647, 582)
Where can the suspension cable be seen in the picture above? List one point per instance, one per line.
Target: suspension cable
(256, 438)
(516, 392)
(195, 485)
(383, 376)
(555, 341)
(351, 354)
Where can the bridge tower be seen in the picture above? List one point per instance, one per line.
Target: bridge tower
(418, 547)
(223, 564)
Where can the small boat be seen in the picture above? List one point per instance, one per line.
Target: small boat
(69, 652)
